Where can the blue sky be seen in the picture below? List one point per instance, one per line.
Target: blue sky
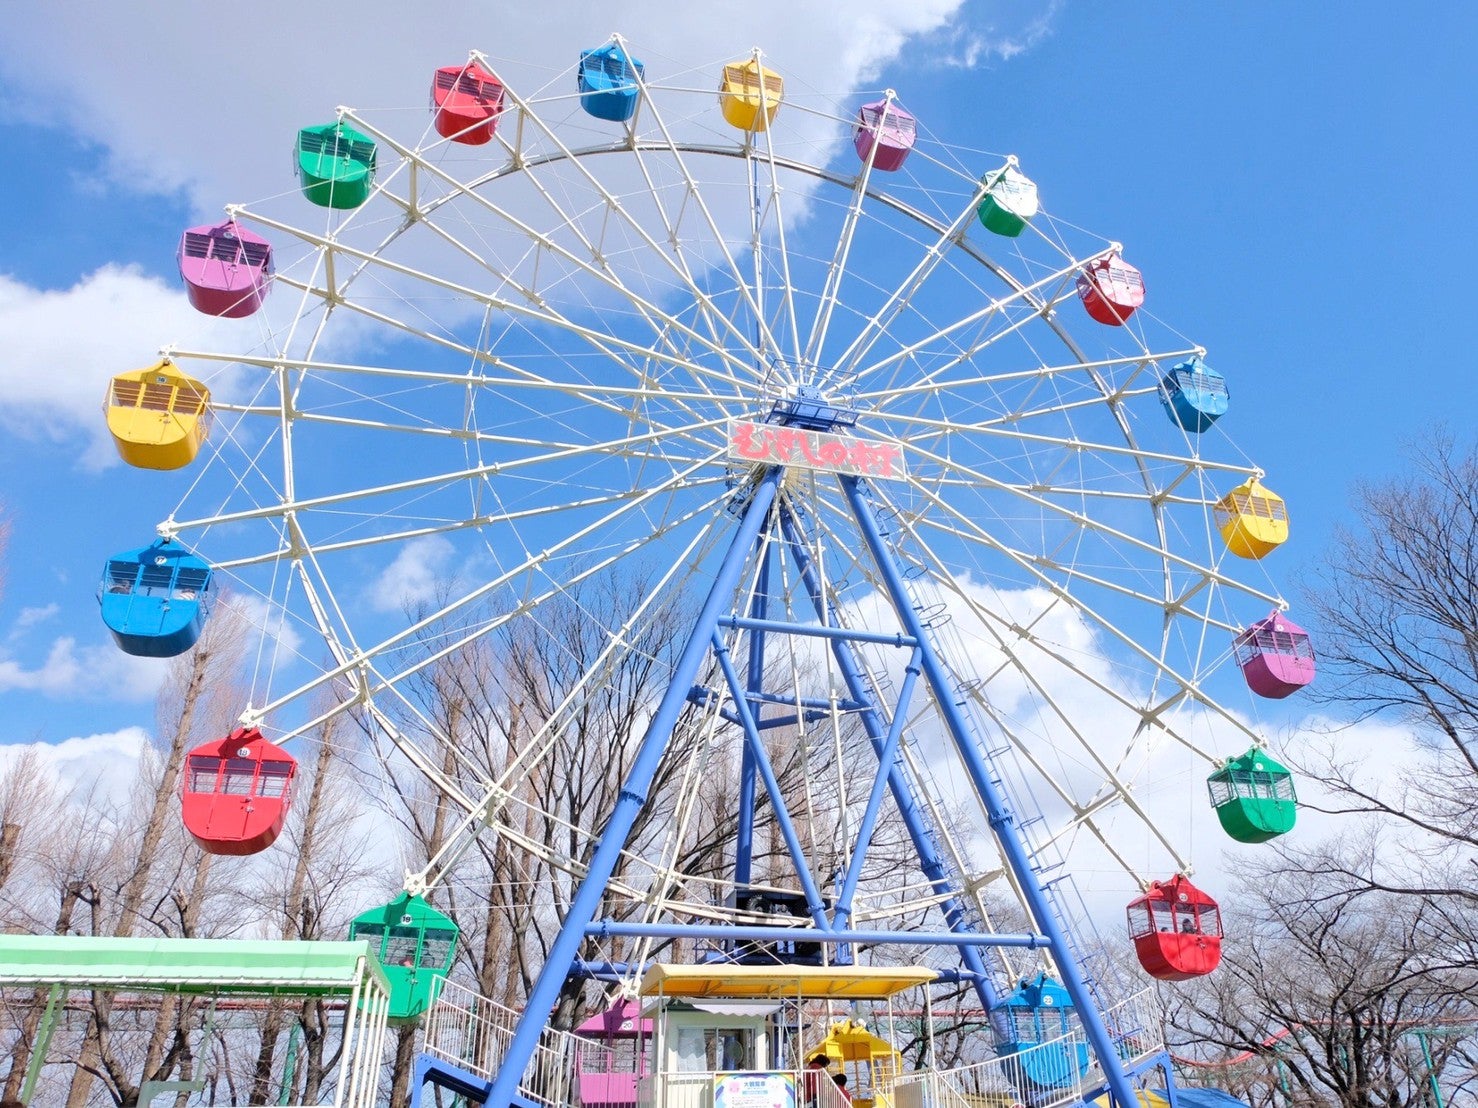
(1287, 179)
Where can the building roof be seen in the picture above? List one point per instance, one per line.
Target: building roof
(214, 966)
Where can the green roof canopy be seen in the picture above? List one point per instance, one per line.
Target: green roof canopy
(213, 966)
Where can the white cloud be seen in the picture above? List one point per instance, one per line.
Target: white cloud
(1001, 35)
(31, 617)
(270, 623)
(180, 100)
(100, 671)
(413, 577)
(1038, 693)
(108, 760)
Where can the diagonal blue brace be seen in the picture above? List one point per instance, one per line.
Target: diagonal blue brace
(913, 818)
(566, 945)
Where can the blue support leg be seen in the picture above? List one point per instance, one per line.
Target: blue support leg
(1002, 820)
(758, 606)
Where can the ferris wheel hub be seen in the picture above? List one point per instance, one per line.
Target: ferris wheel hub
(809, 408)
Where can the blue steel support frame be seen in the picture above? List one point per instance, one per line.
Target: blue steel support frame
(1002, 820)
(756, 746)
(705, 637)
(633, 795)
(930, 863)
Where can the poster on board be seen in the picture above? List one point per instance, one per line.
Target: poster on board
(754, 1090)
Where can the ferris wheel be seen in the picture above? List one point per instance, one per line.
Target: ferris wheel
(924, 521)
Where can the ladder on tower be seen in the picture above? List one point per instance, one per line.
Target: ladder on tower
(1045, 857)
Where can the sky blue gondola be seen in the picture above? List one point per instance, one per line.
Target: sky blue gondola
(155, 599)
(608, 82)
(1195, 395)
(1037, 1012)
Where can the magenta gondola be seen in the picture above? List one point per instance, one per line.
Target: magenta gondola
(884, 132)
(1276, 657)
(227, 270)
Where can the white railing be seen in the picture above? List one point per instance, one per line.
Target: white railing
(473, 1032)
(1133, 1024)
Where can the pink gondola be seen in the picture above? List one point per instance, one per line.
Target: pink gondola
(1276, 657)
(1111, 289)
(886, 126)
(613, 1055)
(227, 270)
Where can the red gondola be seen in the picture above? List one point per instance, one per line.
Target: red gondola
(236, 792)
(1111, 289)
(1176, 930)
(467, 100)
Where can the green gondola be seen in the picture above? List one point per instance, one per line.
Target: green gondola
(1253, 797)
(415, 944)
(336, 165)
(1009, 204)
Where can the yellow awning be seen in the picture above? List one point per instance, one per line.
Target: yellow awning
(782, 982)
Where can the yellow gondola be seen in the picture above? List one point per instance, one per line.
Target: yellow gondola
(870, 1064)
(750, 95)
(1253, 520)
(158, 416)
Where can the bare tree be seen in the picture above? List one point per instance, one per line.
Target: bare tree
(1330, 993)
(1397, 607)
(496, 699)
(156, 882)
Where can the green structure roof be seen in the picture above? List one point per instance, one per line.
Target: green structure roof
(213, 966)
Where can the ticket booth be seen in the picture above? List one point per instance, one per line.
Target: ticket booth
(738, 1036)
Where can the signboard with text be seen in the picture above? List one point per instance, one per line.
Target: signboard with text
(754, 1090)
(819, 450)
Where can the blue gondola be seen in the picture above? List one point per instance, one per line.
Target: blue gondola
(155, 600)
(1195, 395)
(608, 82)
(1042, 1034)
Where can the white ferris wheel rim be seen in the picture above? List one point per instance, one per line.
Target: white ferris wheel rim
(724, 381)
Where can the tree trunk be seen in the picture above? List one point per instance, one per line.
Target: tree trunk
(131, 895)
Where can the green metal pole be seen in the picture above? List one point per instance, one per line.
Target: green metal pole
(291, 1063)
(150, 1090)
(1421, 1037)
(43, 1043)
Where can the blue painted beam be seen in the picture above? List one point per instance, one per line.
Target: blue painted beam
(1002, 819)
(603, 929)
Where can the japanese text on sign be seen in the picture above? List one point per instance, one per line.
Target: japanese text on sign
(819, 450)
